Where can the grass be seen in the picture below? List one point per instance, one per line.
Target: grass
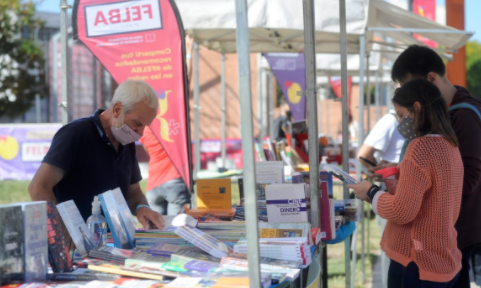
(16, 191)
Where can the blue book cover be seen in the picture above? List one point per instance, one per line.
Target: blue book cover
(324, 176)
(125, 214)
(114, 220)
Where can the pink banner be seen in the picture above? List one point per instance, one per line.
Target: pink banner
(427, 9)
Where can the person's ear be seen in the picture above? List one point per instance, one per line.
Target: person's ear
(433, 78)
(117, 110)
(417, 106)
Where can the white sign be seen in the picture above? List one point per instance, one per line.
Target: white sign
(123, 17)
(34, 151)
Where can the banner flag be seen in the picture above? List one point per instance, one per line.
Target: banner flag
(336, 85)
(289, 69)
(144, 40)
(427, 9)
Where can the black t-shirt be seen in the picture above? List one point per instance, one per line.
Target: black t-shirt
(90, 162)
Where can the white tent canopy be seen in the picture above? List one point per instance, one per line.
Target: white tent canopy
(277, 26)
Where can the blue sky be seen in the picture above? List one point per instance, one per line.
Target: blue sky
(472, 8)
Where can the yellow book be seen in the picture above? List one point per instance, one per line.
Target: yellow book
(114, 269)
(268, 233)
(214, 194)
(226, 282)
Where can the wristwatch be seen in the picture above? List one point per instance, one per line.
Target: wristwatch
(372, 191)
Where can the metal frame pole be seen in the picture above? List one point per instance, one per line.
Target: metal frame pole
(260, 102)
(196, 112)
(360, 140)
(368, 94)
(243, 56)
(223, 110)
(271, 102)
(377, 96)
(64, 46)
(345, 124)
(310, 93)
(313, 143)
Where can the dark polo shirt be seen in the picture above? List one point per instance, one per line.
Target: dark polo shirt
(90, 162)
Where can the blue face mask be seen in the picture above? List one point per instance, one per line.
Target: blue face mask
(406, 129)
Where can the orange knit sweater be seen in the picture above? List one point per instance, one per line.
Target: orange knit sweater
(422, 213)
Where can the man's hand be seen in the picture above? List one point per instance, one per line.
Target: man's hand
(361, 190)
(150, 219)
(382, 165)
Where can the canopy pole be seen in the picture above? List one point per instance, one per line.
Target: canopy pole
(196, 112)
(310, 93)
(368, 93)
(243, 59)
(272, 100)
(360, 140)
(223, 110)
(260, 102)
(345, 124)
(377, 96)
(64, 61)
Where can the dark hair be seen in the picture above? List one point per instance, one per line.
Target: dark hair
(418, 61)
(433, 116)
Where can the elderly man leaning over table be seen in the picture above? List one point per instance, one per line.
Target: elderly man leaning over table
(95, 154)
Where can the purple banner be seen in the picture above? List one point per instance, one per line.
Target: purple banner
(289, 69)
(22, 148)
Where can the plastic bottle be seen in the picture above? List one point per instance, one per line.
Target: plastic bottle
(97, 225)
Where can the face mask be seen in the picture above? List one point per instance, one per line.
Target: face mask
(406, 129)
(124, 134)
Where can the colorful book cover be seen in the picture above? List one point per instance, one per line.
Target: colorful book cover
(58, 251)
(36, 245)
(114, 220)
(11, 243)
(174, 266)
(125, 214)
(214, 194)
(286, 203)
(76, 227)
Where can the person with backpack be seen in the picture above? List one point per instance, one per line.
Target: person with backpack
(464, 111)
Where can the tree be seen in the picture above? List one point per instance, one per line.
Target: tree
(473, 66)
(21, 60)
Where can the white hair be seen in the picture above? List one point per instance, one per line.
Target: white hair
(132, 92)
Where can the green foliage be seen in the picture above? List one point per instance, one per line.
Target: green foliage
(20, 58)
(473, 66)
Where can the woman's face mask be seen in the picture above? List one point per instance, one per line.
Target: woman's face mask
(406, 128)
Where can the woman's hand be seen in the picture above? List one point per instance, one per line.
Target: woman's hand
(361, 190)
(382, 165)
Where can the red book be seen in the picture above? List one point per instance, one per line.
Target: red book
(326, 227)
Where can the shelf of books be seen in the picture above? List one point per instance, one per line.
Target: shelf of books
(201, 247)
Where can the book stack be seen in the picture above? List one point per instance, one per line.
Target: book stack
(296, 249)
(166, 250)
(281, 269)
(145, 239)
(111, 254)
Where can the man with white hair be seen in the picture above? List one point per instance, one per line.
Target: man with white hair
(95, 154)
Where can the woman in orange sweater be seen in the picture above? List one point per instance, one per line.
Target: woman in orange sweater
(420, 237)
